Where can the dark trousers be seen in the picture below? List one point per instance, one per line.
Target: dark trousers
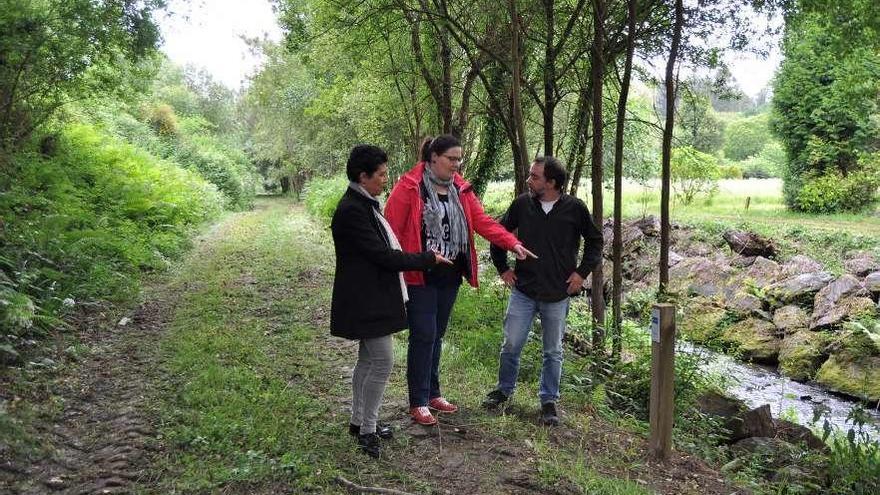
(428, 313)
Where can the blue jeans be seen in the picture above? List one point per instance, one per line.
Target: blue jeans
(428, 313)
(521, 311)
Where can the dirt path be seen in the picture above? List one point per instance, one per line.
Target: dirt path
(102, 437)
(105, 436)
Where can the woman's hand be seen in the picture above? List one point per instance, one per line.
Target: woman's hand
(522, 253)
(438, 258)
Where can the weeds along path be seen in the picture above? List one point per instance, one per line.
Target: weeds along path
(226, 381)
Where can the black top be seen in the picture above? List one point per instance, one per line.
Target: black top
(555, 238)
(367, 300)
(444, 275)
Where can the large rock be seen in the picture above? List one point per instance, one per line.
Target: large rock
(631, 238)
(755, 339)
(701, 321)
(749, 244)
(763, 272)
(735, 416)
(799, 289)
(845, 309)
(745, 304)
(801, 354)
(861, 263)
(699, 276)
(791, 318)
(800, 264)
(827, 309)
(859, 377)
(794, 433)
(649, 225)
(872, 282)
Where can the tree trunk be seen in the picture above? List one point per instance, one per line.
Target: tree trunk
(549, 77)
(520, 152)
(667, 146)
(617, 244)
(597, 64)
(577, 154)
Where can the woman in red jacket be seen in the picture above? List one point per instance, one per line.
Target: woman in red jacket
(431, 208)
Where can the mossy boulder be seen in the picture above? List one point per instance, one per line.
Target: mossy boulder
(872, 282)
(745, 304)
(763, 272)
(791, 318)
(700, 276)
(702, 321)
(859, 377)
(850, 308)
(838, 300)
(800, 264)
(799, 289)
(755, 339)
(801, 354)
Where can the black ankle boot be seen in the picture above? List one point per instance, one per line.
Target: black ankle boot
(384, 431)
(369, 443)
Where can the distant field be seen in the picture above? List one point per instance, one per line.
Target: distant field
(729, 205)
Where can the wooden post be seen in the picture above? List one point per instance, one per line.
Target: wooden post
(662, 380)
(748, 200)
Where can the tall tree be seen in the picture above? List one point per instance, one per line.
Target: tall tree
(617, 242)
(597, 65)
(670, 84)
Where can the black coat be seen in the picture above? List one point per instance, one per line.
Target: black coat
(367, 300)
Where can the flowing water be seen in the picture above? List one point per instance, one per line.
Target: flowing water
(757, 385)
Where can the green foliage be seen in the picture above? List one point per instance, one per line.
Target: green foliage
(746, 137)
(163, 120)
(80, 225)
(832, 191)
(56, 51)
(854, 461)
(700, 127)
(769, 162)
(825, 110)
(693, 173)
(322, 195)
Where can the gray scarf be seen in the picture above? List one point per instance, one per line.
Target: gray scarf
(432, 215)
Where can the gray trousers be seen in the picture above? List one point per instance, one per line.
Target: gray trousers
(371, 373)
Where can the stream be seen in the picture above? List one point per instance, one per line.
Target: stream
(758, 385)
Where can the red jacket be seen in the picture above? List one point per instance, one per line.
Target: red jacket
(403, 210)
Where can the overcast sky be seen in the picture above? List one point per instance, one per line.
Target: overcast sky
(207, 34)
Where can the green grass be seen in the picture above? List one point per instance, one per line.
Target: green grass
(251, 398)
(765, 206)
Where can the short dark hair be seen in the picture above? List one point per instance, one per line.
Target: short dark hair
(553, 170)
(364, 158)
(438, 145)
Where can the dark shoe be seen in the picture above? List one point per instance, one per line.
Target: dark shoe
(369, 443)
(548, 414)
(384, 431)
(494, 399)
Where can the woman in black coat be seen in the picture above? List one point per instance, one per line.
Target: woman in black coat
(368, 290)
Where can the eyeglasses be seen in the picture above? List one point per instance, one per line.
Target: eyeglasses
(453, 159)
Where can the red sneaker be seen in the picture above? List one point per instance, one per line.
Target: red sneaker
(422, 416)
(442, 405)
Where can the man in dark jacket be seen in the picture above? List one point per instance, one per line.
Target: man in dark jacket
(368, 289)
(552, 224)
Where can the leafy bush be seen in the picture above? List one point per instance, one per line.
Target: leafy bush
(80, 225)
(833, 192)
(730, 171)
(769, 162)
(323, 194)
(693, 173)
